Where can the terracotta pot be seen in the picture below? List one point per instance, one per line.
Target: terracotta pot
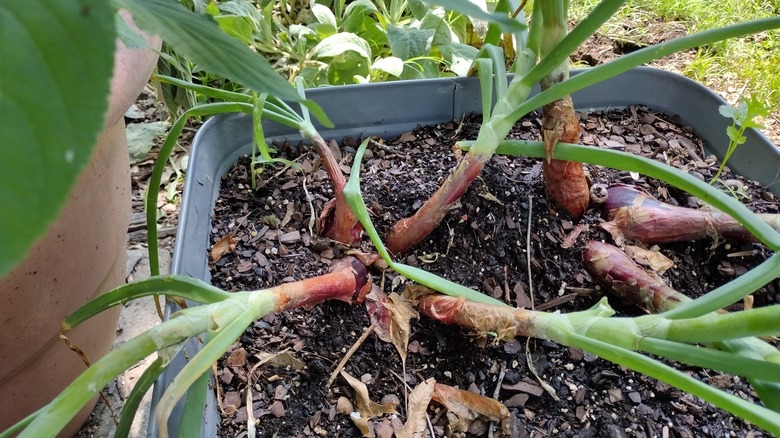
(81, 256)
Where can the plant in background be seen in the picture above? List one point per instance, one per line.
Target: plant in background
(743, 116)
(672, 334)
(363, 41)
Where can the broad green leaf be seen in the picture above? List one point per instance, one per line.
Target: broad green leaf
(199, 38)
(364, 7)
(323, 14)
(475, 11)
(461, 56)
(57, 58)
(341, 43)
(345, 67)
(375, 35)
(326, 20)
(237, 27)
(239, 8)
(418, 8)
(315, 74)
(299, 32)
(434, 20)
(409, 43)
(356, 14)
(390, 65)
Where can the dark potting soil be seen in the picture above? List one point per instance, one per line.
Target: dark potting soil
(482, 243)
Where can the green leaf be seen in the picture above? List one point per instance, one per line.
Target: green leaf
(442, 33)
(390, 65)
(198, 38)
(409, 43)
(472, 10)
(728, 111)
(340, 43)
(461, 57)
(418, 8)
(54, 83)
(237, 27)
(733, 133)
(327, 21)
(344, 68)
(356, 14)
(323, 14)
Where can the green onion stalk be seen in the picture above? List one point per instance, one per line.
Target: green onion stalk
(619, 275)
(564, 181)
(223, 318)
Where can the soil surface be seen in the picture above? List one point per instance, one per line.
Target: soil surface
(483, 243)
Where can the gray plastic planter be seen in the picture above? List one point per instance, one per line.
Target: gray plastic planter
(389, 109)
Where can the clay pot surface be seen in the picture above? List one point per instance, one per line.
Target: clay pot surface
(82, 255)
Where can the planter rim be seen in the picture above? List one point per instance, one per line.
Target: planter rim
(223, 138)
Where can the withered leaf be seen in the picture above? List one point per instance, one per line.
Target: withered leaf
(396, 329)
(464, 406)
(650, 258)
(367, 409)
(225, 245)
(281, 359)
(419, 399)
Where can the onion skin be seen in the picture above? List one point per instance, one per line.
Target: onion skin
(633, 214)
(609, 266)
(564, 181)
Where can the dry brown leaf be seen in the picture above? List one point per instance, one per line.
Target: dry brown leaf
(395, 327)
(367, 409)
(225, 245)
(407, 137)
(237, 358)
(281, 359)
(463, 407)
(649, 257)
(344, 406)
(570, 238)
(419, 399)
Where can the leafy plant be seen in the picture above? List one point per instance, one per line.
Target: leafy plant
(743, 116)
(363, 41)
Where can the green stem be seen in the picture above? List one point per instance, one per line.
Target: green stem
(56, 415)
(255, 307)
(722, 361)
(716, 327)
(159, 166)
(133, 401)
(635, 59)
